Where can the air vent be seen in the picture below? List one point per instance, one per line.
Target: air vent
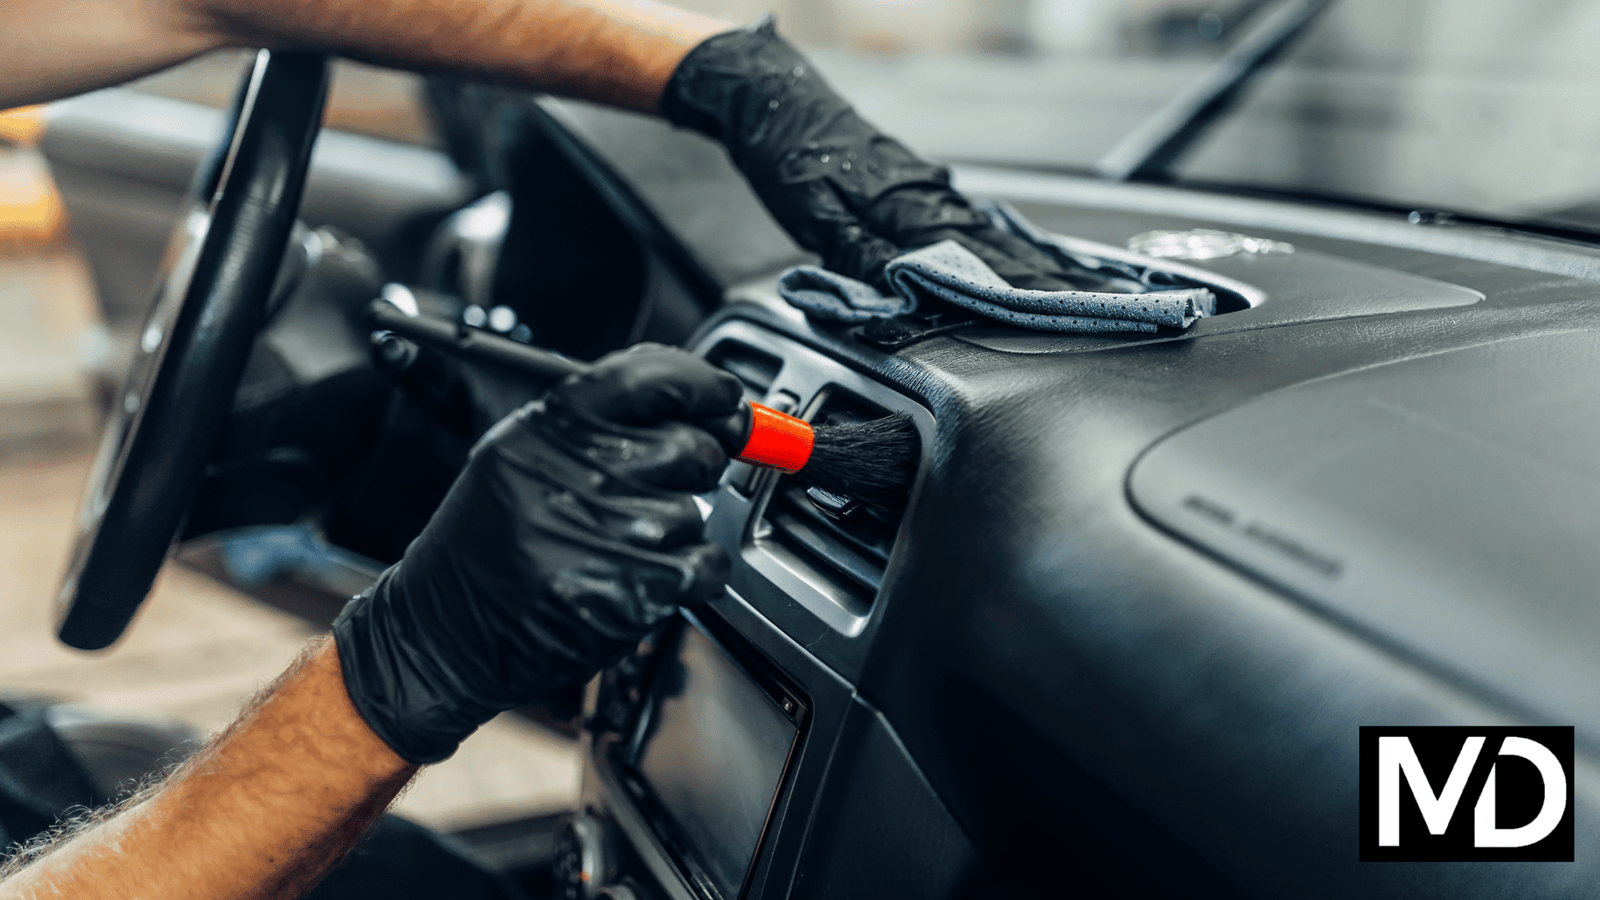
(846, 544)
(799, 557)
(756, 369)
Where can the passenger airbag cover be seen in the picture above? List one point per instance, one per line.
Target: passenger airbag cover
(1448, 506)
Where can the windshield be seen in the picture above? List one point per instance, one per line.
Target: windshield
(1038, 82)
(1482, 107)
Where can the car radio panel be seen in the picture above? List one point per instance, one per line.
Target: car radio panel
(708, 755)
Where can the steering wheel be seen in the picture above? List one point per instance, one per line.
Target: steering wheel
(210, 301)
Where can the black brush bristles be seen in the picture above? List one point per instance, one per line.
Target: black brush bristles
(873, 462)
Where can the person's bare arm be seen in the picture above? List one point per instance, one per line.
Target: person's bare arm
(263, 812)
(619, 52)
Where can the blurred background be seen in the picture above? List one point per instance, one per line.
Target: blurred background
(198, 648)
(1475, 106)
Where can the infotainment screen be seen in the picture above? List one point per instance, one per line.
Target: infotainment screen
(713, 753)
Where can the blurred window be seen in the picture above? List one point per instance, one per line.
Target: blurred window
(1040, 82)
(1484, 107)
(364, 99)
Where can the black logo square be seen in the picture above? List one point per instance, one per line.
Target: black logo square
(1447, 794)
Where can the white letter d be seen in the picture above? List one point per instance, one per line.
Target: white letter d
(1555, 799)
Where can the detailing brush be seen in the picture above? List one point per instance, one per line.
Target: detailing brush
(872, 462)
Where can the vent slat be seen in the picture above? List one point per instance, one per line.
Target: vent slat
(856, 547)
(757, 370)
(807, 538)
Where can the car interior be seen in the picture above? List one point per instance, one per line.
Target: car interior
(1119, 636)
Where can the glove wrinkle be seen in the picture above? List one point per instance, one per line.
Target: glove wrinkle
(566, 539)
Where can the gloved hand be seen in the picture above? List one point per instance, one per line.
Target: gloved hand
(569, 535)
(843, 189)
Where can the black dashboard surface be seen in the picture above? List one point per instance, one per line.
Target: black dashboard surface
(1111, 663)
(1072, 670)
(1447, 503)
(1069, 671)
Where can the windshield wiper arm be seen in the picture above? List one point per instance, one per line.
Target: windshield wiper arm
(1150, 150)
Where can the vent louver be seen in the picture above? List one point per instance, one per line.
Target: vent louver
(852, 550)
(801, 555)
(755, 369)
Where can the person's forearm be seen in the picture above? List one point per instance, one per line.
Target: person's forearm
(263, 812)
(55, 48)
(618, 52)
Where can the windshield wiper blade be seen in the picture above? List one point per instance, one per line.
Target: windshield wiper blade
(1149, 150)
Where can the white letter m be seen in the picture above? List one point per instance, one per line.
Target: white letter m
(1396, 755)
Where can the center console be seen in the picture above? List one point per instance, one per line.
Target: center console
(732, 756)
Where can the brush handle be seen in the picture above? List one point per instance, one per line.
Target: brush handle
(755, 434)
(471, 343)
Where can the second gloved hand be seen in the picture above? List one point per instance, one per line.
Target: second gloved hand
(567, 538)
(842, 188)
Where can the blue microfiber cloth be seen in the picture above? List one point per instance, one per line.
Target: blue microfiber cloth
(948, 271)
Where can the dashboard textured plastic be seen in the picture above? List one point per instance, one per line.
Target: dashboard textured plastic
(1447, 503)
(1175, 706)
(1067, 674)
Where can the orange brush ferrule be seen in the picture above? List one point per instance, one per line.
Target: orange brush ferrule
(777, 441)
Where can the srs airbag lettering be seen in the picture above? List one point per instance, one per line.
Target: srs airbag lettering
(1210, 509)
(1327, 566)
(1291, 548)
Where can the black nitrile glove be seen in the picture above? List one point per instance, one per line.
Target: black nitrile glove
(569, 535)
(842, 188)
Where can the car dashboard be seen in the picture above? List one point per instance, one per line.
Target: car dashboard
(1145, 590)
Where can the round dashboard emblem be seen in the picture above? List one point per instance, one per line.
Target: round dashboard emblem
(1202, 243)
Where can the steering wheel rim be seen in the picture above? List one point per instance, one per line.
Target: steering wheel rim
(210, 302)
